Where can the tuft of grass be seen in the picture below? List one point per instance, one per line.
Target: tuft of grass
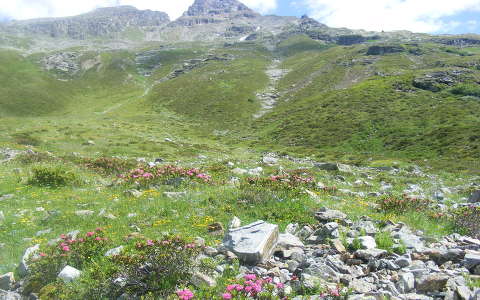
(384, 241)
(52, 176)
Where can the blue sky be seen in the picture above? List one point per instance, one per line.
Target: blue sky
(429, 16)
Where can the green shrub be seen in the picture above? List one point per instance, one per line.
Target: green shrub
(284, 181)
(466, 90)
(468, 218)
(151, 268)
(78, 253)
(402, 204)
(109, 165)
(400, 249)
(355, 245)
(384, 241)
(31, 157)
(52, 176)
(145, 177)
(157, 267)
(26, 138)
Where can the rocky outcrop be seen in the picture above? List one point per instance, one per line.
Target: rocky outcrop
(382, 50)
(100, 22)
(231, 8)
(214, 11)
(64, 62)
(459, 42)
(436, 81)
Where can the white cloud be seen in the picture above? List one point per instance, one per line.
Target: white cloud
(377, 15)
(28, 9)
(263, 7)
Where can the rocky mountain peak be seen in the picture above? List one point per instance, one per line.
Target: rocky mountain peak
(218, 8)
(107, 21)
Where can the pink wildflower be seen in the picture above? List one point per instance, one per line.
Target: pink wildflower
(250, 277)
(257, 288)
(98, 238)
(280, 285)
(62, 236)
(42, 254)
(89, 234)
(185, 294)
(150, 243)
(335, 293)
(147, 175)
(231, 287)
(66, 248)
(227, 296)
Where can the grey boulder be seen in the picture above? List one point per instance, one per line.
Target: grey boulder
(69, 274)
(252, 243)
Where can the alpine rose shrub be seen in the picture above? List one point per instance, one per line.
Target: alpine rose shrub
(468, 218)
(402, 204)
(147, 176)
(76, 253)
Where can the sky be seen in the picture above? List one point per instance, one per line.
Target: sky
(429, 16)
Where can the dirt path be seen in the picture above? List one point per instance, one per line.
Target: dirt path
(268, 98)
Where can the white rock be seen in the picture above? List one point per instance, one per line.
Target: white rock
(367, 242)
(406, 283)
(287, 241)
(114, 251)
(235, 223)
(69, 274)
(175, 195)
(84, 213)
(255, 172)
(239, 171)
(270, 159)
(292, 228)
(369, 254)
(134, 193)
(200, 279)
(252, 243)
(29, 253)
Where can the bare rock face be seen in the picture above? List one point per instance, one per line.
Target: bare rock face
(252, 243)
(215, 11)
(100, 22)
(219, 8)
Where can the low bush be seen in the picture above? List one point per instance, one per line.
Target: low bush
(30, 157)
(402, 204)
(109, 165)
(76, 253)
(466, 90)
(26, 139)
(281, 182)
(157, 267)
(468, 219)
(151, 269)
(148, 176)
(52, 176)
(385, 241)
